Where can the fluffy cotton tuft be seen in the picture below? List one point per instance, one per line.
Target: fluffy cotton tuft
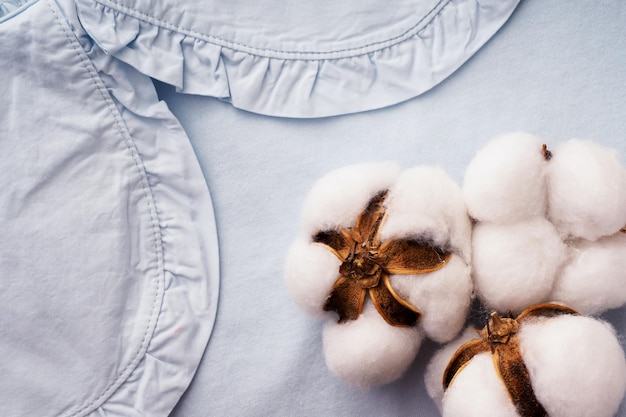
(593, 279)
(579, 188)
(515, 264)
(505, 182)
(587, 190)
(576, 366)
(425, 201)
(443, 297)
(477, 392)
(368, 351)
(433, 377)
(422, 203)
(310, 270)
(338, 197)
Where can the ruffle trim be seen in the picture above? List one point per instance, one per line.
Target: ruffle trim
(8, 8)
(190, 250)
(291, 83)
(188, 237)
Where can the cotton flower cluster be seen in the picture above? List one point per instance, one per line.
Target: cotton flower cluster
(375, 205)
(575, 363)
(548, 224)
(548, 227)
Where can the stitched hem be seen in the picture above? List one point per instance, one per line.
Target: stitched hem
(158, 278)
(293, 83)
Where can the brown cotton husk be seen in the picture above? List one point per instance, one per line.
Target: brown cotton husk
(367, 262)
(500, 338)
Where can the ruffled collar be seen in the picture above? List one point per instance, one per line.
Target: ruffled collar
(357, 56)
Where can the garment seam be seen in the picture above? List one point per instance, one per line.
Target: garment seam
(422, 24)
(151, 210)
(23, 7)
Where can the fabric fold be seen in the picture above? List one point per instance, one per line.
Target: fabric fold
(110, 260)
(289, 82)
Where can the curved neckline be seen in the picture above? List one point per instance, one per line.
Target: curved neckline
(288, 83)
(422, 22)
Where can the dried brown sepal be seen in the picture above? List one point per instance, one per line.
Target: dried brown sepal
(368, 222)
(407, 256)
(392, 307)
(546, 310)
(547, 154)
(500, 337)
(337, 242)
(511, 369)
(461, 358)
(366, 264)
(346, 299)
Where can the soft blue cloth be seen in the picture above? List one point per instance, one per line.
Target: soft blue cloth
(553, 70)
(296, 59)
(108, 257)
(108, 266)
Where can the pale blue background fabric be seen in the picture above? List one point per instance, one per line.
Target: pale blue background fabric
(551, 70)
(554, 70)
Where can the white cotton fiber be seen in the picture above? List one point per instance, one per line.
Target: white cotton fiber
(338, 197)
(594, 278)
(477, 391)
(310, 273)
(368, 351)
(587, 190)
(433, 378)
(422, 203)
(576, 366)
(443, 297)
(425, 201)
(515, 264)
(505, 182)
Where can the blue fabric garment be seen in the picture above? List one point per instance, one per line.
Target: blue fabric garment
(108, 266)
(108, 262)
(296, 59)
(8, 7)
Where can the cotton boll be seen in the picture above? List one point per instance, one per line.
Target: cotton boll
(310, 273)
(338, 197)
(594, 278)
(515, 265)
(442, 296)
(576, 366)
(433, 377)
(477, 391)
(425, 201)
(505, 182)
(587, 190)
(368, 351)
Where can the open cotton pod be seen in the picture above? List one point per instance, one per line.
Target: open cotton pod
(548, 361)
(383, 257)
(548, 224)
